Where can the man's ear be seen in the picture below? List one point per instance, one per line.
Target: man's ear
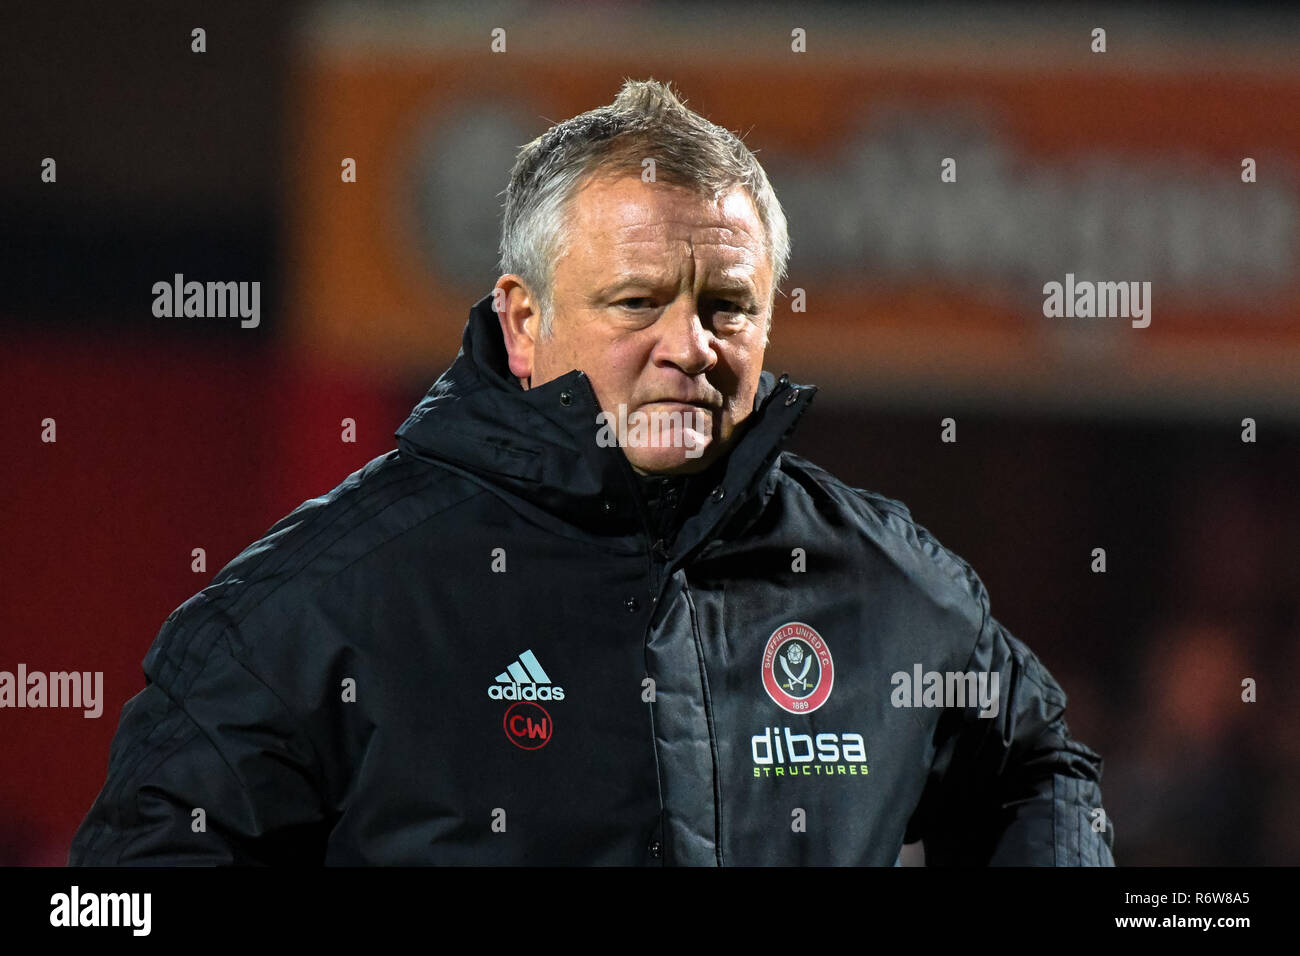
(519, 323)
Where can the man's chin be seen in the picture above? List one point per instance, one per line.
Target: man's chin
(671, 461)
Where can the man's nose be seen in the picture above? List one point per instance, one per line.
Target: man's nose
(684, 341)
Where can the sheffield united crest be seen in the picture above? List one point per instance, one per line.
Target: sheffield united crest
(797, 668)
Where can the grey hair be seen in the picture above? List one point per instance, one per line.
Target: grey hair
(645, 119)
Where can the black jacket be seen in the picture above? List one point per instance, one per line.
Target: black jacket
(497, 644)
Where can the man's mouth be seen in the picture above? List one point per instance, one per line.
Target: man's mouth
(685, 403)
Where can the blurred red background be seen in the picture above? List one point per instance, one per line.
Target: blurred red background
(923, 302)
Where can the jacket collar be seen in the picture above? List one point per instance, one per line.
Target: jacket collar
(539, 445)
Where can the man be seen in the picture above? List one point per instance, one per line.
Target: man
(588, 611)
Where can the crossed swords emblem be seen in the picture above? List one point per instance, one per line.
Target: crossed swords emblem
(795, 653)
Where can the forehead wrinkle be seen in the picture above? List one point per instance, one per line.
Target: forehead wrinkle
(738, 264)
(741, 253)
(736, 234)
(640, 242)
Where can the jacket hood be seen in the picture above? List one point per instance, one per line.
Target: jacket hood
(538, 446)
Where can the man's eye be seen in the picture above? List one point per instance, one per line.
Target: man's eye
(729, 314)
(733, 307)
(630, 303)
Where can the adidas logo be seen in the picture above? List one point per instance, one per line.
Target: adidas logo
(525, 680)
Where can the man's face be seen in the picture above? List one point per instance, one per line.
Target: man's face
(662, 300)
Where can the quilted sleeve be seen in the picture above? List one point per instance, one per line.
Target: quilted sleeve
(206, 767)
(1013, 789)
